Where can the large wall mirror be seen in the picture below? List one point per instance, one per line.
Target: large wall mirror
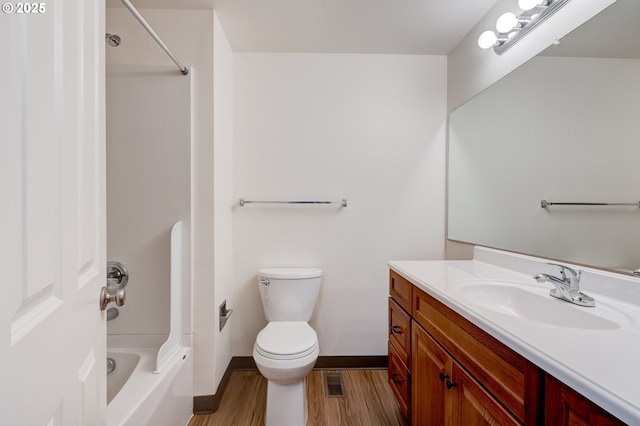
(564, 127)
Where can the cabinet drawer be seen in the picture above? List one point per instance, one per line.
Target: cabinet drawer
(508, 376)
(401, 290)
(400, 331)
(399, 379)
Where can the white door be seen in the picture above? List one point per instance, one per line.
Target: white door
(52, 213)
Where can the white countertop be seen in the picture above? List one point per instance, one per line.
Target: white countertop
(601, 364)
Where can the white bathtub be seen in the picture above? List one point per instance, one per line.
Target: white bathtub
(126, 362)
(140, 397)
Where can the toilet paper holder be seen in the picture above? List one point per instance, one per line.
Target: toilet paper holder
(224, 314)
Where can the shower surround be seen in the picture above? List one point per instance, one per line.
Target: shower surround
(148, 191)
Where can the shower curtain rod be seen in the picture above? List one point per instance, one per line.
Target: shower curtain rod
(155, 36)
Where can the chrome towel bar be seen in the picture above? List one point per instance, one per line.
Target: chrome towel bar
(342, 202)
(545, 204)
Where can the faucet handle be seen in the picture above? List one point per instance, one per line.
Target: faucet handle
(575, 276)
(578, 277)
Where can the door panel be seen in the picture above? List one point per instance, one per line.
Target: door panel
(428, 362)
(473, 404)
(52, 334)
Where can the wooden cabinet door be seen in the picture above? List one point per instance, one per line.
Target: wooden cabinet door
(471, 404)
(429, 363)
(566, 407)
(443, 393)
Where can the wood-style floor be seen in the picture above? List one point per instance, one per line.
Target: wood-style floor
(368, 402)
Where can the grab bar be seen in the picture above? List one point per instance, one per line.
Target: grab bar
(545, 203)
(342, 202)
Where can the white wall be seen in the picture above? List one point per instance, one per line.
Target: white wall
(189, 34)
(223, 194)
(370, 128)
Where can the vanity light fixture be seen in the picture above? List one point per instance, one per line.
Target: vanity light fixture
(530, 4)
(508, 22)
(511, 27)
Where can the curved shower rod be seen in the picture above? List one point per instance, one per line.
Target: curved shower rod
(153, 34)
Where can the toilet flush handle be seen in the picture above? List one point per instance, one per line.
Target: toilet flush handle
(264, 281)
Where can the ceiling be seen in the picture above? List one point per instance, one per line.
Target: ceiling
(429, 27)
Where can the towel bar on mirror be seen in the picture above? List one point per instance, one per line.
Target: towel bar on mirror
(545, 204)
(242, 202)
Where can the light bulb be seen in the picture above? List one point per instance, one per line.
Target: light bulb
(506, 22)
(487, 39)
(529, 4)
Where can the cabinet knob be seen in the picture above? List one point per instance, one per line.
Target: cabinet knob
(443, 377)
(395, 379)
(396, 329)
(449, 384)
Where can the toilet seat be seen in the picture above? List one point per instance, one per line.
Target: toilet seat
(282, 340)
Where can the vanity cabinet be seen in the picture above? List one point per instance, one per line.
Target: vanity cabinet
(399, 372)
(444, 370)
(481, 380)
(458, 374)
(566, 407)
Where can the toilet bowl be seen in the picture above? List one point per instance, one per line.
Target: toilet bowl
(284, 360)
(286, 350)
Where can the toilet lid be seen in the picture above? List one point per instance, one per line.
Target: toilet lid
(289, 273)
(286, 339)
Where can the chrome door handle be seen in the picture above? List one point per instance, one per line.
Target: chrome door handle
(107, 297)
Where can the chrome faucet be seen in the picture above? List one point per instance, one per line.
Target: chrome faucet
(567, 286)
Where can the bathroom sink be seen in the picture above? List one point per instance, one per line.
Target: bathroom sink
(533, 303)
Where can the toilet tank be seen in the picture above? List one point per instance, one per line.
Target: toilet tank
(289, 294)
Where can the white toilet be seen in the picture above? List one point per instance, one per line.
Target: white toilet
(287, 348)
